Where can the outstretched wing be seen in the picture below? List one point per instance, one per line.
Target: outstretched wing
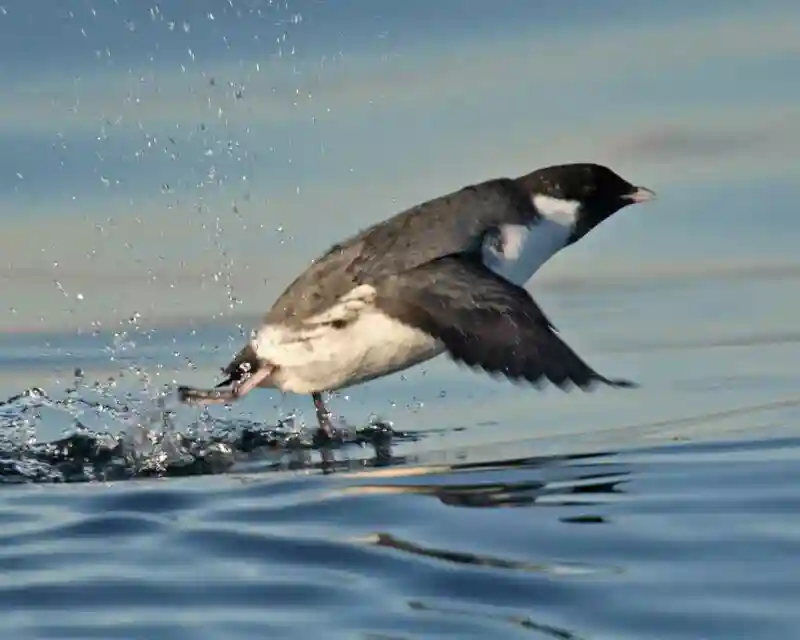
(485, 321)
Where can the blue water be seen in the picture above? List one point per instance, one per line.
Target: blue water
(469, 509)
(682, 542)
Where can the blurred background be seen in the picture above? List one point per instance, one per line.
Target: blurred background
(183, 160)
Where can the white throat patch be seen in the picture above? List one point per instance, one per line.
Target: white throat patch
(562, 211)
(521, 250)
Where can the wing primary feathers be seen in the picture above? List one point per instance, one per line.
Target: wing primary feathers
(487, 322)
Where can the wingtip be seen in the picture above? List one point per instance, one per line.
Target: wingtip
(622, 383)
(614, 383)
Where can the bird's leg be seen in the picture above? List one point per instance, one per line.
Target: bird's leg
(325, 429)
(222, 396)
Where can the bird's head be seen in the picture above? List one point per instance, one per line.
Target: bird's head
(581, 195)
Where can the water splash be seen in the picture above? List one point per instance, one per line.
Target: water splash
(122, 437)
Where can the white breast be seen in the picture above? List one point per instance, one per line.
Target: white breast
(524, 249)
(318, 357)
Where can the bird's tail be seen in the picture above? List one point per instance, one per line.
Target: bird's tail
(245, 361)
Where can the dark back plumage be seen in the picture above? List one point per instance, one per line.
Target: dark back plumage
(454, 223)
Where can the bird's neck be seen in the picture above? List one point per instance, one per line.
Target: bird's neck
(525, 248)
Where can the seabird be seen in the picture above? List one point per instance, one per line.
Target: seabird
(446, 275)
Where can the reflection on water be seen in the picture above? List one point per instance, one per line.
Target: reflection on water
(436, 526)
(688, 541)
(487, 495)
(527, 624)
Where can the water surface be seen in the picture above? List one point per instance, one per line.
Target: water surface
(475, 509)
